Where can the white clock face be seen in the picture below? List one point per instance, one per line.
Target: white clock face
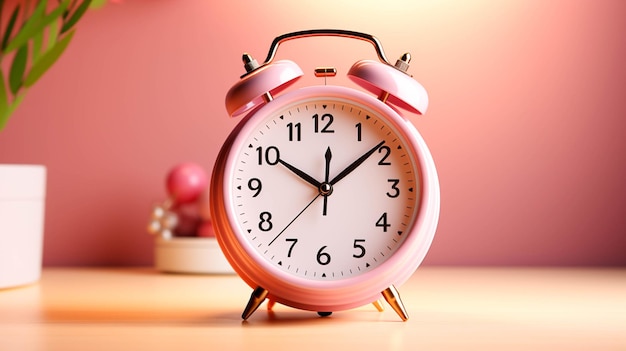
(324, 189)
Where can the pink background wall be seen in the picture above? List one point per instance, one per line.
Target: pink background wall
(527, 121)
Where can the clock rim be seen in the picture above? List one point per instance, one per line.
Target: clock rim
(319, 295)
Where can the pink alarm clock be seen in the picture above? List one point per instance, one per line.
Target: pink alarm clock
(325, 198)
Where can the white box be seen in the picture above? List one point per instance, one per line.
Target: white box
(199, 255)
(22, 207)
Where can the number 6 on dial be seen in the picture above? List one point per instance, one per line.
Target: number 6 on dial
(325, 198)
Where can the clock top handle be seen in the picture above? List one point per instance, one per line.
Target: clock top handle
(328, 33)
(390, 82)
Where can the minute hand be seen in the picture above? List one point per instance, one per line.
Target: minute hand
(355, 164)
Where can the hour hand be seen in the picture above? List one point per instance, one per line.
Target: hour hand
(300, 174)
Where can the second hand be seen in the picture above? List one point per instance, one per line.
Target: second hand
(293, 220)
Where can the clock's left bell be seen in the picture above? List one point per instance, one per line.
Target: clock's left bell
(259, 84)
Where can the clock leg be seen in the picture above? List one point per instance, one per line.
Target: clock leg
(379, 306)
(256, 299)
(270, 304)
(393, 298)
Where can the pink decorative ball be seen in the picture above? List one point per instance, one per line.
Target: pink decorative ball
(186, 182)
(206, 230)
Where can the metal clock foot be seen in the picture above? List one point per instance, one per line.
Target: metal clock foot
(379, 306)
(324, 314)
(392, 297)
(256, 299)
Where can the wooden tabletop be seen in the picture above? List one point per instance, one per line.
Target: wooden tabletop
(91, 309)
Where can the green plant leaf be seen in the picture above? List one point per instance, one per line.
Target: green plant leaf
(53, 30)
(53, 34)
(68, 5)
(5, 113)
(96, 4)
(16, 75)
(5, 110)
(47, 60)
(7, 33)
(28, 29)
(80, 11)
(37, 45)
(69, 9)
(37, 23)
(16, 103)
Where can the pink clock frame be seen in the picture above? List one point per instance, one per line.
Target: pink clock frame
(323, 295)
(253, 96)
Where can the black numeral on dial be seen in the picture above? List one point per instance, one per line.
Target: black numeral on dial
(357, 245)
(382, 222)
(293, 243)
(325, 117)
(271, 155)
(386, 151)
(255, 185)
(265, 223)
(295, 131)
(323, 258)
(395, 191)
